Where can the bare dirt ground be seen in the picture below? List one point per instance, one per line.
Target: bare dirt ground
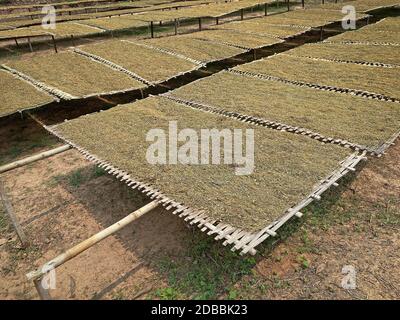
(63, 200)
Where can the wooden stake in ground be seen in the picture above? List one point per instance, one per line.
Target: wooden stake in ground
(151, 29)
(86, 244)
(10, 211)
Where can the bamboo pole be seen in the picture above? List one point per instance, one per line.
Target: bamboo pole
(54, 43)
(30, 44)
(10, 211)
(86, 244)
(176, 26)
(34, 158)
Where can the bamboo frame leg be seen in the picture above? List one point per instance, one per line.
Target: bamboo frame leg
(54, 44)
(30, 44)
(176, 27)
(16, 42)
(241, 14)
(200, 24)
(151, 29)
(265, 9)
(42, 292)
(10, 211)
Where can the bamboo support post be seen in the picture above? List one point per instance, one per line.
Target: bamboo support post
(72, 40)
(288, 5)
(151, 29)
(302, 3)
(30, 44)
(16, 42)
(90, 242)
(265, 9)
(217, 21)
(200, 24)
(176, 26)
(321, 33)
(54, 43)
(241, 14)
(10, 211)
(34, 158)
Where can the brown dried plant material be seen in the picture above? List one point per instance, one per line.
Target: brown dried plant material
(194, 48)
(18, 95)
(287, 166)
(358, 120)
(74, 74)
(150, 64)
(243, 40)
(260, 27)
(360, 53)
(385, 81)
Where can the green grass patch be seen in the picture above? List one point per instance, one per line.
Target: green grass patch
(80, 176)
(206, 271)
(23, 143)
